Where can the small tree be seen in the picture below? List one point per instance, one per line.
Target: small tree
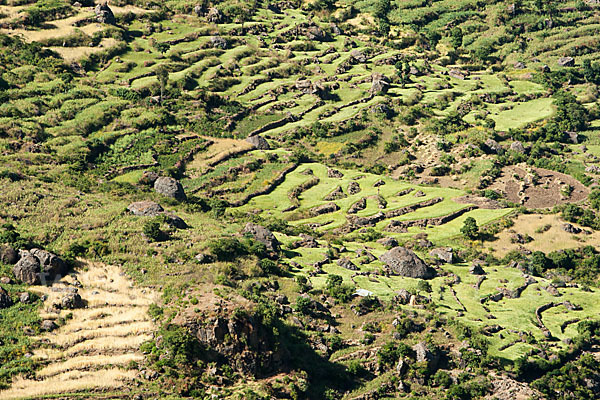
(470, 229)
(163, 77)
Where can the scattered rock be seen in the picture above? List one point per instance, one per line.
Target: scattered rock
(8, 255)
(443, 254)
(170, 187)
(406, 263)
(262, 235)
(419, 193)
(594, 169)
(145, 209)
(258, 142)
(104, 14)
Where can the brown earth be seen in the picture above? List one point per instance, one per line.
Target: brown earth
(520, 185)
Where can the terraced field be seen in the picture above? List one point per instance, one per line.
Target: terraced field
(95, 348)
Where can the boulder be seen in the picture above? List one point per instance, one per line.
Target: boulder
(48, 325)
(203, 258)
(324, 209)
(104, 14)
(27, 269)
(353, 188)
(8, 255)
(406, 263)
(424, 354)
(379, 83)
(493, 146)
(336, 194)
(52, 265)
(334, 173)
(476, 269)
(443, 254)
(519, 65)
(218, 42)
(358, 56)
(145, 209)
(5, 280)
(25, 298)
(517, 147)
(148, 178)
(170, 187)
(316, 33)
(5, 300)
(566, 62)
(258, 142)
(38, 266)
(175, 221)
(198, 10)
(71, 301)
(263, 235)
(571, 228)
(457, 74)
(214, 15)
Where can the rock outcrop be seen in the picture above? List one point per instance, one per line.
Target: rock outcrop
(258, 142)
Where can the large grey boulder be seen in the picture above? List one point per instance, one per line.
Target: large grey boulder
(406, 263)
(5, 300)
(263, 235)
(145, 209)
(258, 142)
(27, 269)
(38, 266)
(170, 187)
(104, 14)
(218, 42)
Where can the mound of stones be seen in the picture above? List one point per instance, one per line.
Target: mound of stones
(405, 262)
(37, 266)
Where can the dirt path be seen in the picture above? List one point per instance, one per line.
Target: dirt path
(93, 349)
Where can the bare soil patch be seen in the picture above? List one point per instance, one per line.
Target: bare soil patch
(538, 187)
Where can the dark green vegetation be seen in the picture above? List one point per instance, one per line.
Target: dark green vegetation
(429, 125)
